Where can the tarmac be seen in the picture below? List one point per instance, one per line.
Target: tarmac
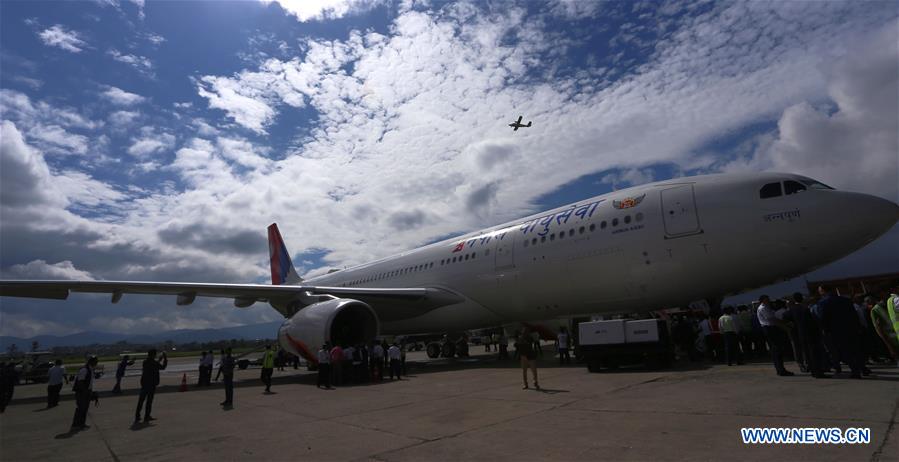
(473, 409)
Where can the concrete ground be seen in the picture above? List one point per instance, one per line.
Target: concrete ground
(467, 410)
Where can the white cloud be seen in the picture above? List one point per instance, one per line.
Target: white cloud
(55, 139)
(24, 173)
(81, 189)
(59, 36)
(855, 146)
(121, 97)
(151, 142)
(308, 10)
(123, 118)
(39, 269)
(155, 39)
(18, 106)
(141, 63)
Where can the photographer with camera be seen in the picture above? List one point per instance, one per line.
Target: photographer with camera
(149, 379)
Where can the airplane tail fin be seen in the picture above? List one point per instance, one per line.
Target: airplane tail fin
(283, 271)
(529, 123)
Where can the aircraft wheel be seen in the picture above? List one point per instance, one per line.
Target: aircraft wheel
(448, 350)
(433, 350)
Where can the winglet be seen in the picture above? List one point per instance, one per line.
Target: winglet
(283, 271)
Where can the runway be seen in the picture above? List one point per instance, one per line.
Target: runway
(474, 410)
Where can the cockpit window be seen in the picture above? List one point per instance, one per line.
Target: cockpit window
(793, 187)
(812, 184)
(770, 190)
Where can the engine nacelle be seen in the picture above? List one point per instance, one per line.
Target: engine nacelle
(340, 321)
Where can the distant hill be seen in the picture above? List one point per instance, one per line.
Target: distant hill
(268, 330)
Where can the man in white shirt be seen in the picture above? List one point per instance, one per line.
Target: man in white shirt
(55, 377)
(84, 388)
(377, 361)
(774, 331)
(562, 339)
(348, 371)
(395, 355)
(324, 366)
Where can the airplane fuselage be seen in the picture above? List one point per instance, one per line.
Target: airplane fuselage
(642, 248)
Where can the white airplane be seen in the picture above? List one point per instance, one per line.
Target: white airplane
(636, 249)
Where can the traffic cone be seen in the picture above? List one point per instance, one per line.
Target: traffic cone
(184, 382)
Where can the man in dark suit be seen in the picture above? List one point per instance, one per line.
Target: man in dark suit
(149, 380)
(840, 321)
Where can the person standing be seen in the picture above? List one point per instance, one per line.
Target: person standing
(377, 361)
(324, 366)
(503, 345)
(840, 323)
(346, 364)
(775, 332)
(207, 368)
(55, 377)
(728, 326)
(149, 380)
(268, 368)
(120, 373)
(84, 391)
(524, 347)
(219, 373)
(880, 319)
(201, 378)
(9, 377)
(395, 356)
(562, 339)
(336, 365)
(227, 370)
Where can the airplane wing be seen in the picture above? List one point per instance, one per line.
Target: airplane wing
(519, 120)
(388, 303)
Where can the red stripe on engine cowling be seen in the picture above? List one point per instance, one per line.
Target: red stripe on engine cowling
(301, 347)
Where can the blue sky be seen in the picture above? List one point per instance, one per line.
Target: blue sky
(155, 141)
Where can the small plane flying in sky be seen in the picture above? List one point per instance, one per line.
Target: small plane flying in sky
(517, 124)
(656, 245)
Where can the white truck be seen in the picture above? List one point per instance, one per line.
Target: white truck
(617, 342)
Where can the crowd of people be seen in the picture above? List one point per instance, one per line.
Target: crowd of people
(345, 364)
(820, 334)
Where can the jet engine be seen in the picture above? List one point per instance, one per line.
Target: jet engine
(340, 321)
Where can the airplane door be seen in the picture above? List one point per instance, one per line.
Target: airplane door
(679, 211)
(504, 256)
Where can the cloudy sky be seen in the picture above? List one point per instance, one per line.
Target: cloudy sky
(155, 141)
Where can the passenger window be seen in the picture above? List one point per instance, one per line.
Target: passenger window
(793, 187)
(602, 225)
(526, 243)
(562, 235)
(534, 241)
(770, 190)
(592, 227)
(571, 232)
(474, 254)
(543, 239)
(466, 256)
(614, 222)
(454, 259)
(581, 230)
(552, 236)
(639, 216)
(627, 219)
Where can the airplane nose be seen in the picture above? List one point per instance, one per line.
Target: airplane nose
(875, 214)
